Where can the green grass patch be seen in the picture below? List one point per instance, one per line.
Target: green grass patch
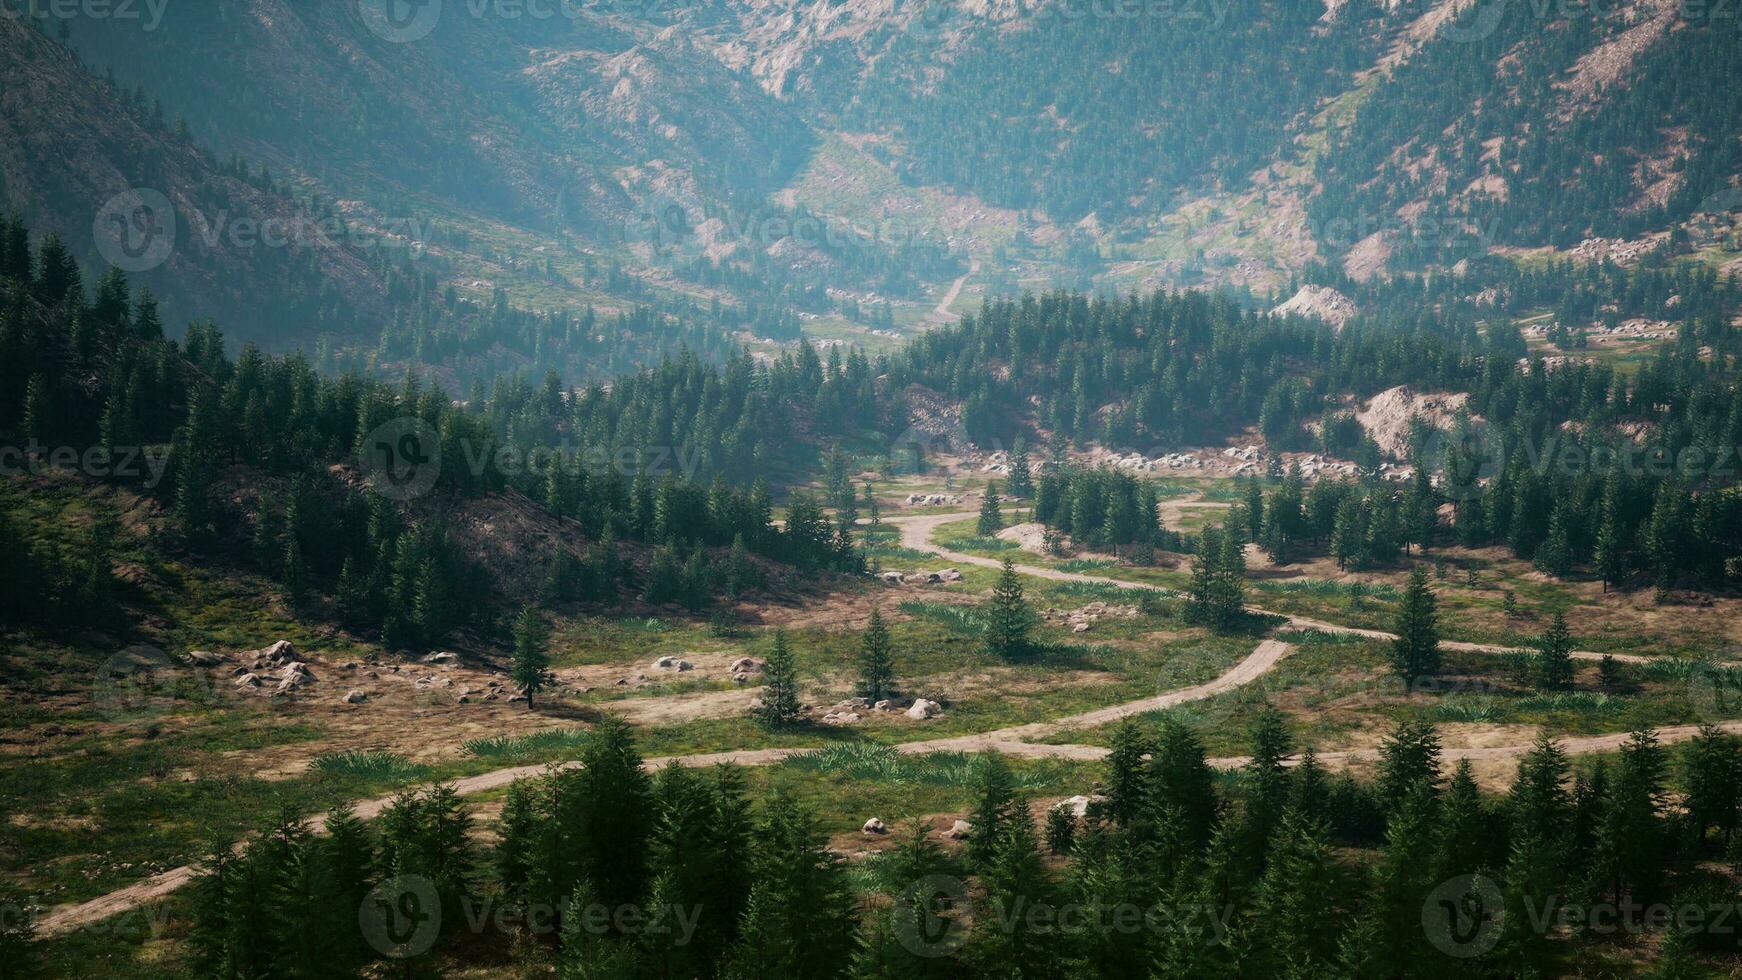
(357, 764)
(548, 742)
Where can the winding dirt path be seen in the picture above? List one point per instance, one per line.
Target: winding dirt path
(1016, 741)
(1008, 740)
(942, 313)
(916, 534)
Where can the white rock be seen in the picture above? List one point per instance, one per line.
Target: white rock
(923, 709)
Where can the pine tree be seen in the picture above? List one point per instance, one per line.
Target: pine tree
(1228, 592)
(876, 665)
(530, 670)
(517, 832)
(1610, 555)
(1285, 933)
(1008, 616)
(1021, 484)
(780, 706)
(1182, 786)
(1712, 767)
(605, 812)
(1266, 779)
(798, 919)
(1014, 878)
(1127, 781)
(1416, 651)
(35, 426)
(1409, 758)
(991, 520)
(995, 807)
(1200, 594)
(344, 865)
(1554, 658)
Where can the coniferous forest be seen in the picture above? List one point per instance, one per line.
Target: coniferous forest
(907, 489)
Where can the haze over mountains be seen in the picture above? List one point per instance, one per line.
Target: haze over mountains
(1126, 146)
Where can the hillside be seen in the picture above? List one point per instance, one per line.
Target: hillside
(211, 240)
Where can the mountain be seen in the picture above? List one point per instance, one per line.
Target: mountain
(828, 158)
(105, 172)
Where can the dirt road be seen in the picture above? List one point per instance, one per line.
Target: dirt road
(1009, 740)
(916, 534)
(942, 313)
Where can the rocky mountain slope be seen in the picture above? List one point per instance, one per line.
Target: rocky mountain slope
(1059, 142)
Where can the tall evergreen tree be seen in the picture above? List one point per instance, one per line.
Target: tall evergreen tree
(1554, 656)
(876, 663)
(1009, 619)
(1021, 482)
(1416, 651)
(779, 707)
(991, 520)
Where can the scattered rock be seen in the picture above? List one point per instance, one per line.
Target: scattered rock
(923, 709)
(875, 826)
(278, 653)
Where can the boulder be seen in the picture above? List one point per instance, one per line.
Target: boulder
(875, 827)
(744, 665)
(960, 830)
(884, 705)
(923, 709)
(1078, 805)
(355, 697)
(248, 680)
(279, 652)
